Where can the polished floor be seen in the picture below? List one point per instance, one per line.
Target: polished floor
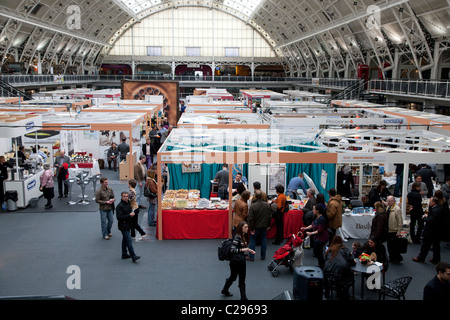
(39, 249)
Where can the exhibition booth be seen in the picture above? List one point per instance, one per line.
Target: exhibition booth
(222, 120)
(420, 120)
(291, 106)
(213, 94)
(251, 96)
(313, 119)
(199, 105)
(194, 156)
(91, 133)
(307, 96)
(10, 100)
(24, 177)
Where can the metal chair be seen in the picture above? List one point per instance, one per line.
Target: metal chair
(81, 177)
(69, 183)
(395, 288)
(94, 180)
(83, 184)
(336, 282)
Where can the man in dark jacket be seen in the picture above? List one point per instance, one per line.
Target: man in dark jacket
(431, 232)
(259, 218)
(438, 288)
(124, 218)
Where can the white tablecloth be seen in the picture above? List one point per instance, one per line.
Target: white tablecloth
(356, 226)
(73, 172)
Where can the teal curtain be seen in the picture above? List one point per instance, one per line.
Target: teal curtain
(196, 180)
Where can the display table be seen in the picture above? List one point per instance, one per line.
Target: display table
(292, 222)
(356, 226)
(92, 167)
(195, 224)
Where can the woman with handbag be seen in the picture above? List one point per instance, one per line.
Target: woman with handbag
(320, 233)
(152, 192)
(239, 249)
(47, 185)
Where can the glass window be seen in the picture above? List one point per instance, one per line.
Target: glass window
(193, 51)
(209, 31)
(154, 51)
(231, 52)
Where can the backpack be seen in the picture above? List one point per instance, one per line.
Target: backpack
(224, 249)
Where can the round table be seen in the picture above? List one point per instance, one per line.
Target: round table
(366, 269)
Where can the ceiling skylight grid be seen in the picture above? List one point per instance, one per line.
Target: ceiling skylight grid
(137, 6)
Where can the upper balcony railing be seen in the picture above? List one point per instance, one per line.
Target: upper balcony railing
(436, 89)
(29, 80)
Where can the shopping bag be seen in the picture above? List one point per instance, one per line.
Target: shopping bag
(307, 243)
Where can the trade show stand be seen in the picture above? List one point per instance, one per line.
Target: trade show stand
(27, 188)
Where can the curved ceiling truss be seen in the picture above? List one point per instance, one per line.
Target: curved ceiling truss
(320, 38)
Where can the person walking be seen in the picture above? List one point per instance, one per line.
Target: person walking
(147, 150)
(395, 224)
(379, 228)
(62, 172)
(104, 196)
(125, 215)
(416, 213)
(319, 232)
(334, 213)
(239, 250)
(259, 218)
(151, 183)
(135, 220)
(432, 232)
(47, 185)
(140, 175)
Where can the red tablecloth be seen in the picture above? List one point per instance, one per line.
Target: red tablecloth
(292, 222)
(82, 165)
(195, 224)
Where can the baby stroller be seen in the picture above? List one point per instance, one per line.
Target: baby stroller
(288, 255)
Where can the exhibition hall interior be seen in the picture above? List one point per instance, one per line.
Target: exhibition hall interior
(136, 136)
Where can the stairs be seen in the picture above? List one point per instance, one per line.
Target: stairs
(7, 90)
(352, 92)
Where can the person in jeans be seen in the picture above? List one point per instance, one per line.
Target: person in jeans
(125, 215)
(104, 196)
(259, 218)
(151, 183)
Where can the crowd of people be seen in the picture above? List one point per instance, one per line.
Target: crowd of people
(254, 214)
(322, 219)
